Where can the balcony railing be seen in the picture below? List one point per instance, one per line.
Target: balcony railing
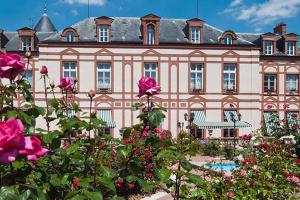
(230, 90)
(292, 92)
(270, 91)
(197, 90)
(104, 90)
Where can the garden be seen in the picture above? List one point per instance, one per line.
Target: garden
(72, 159)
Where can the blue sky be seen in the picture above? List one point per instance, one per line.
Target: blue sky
(238, 15)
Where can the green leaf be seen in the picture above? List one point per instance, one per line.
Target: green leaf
(155, 117)
(55, 181)
(166, 154)
(25, 195)
(130, 179)
(7, 193)
(73, 148)
(186, 165)
(164, 174)
(107, 182)
(107, 172)
(197, 180)
(146, 187)
(11, 114)
(48, 138)
(93, 195)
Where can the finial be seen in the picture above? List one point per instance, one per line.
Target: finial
(45, 7)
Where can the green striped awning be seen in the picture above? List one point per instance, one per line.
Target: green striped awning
(229, 113)
(105, 115)
(200, 122)
(270, 117)
(291, 120)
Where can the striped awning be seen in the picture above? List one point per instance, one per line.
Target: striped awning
(105, 115)
(270, 118)
(200, 122)
(229, 114)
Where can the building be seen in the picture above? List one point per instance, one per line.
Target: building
(200, 68)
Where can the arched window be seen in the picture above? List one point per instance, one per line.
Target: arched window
(150, 35)
(228, 40)
(70, 36)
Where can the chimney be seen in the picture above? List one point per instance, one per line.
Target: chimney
(280, 28)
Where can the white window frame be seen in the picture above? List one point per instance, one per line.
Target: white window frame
(196, 35)
(196, 83)
(227, 83)
(291, 48)
(30, 80)
(267, 83)
(26, 43)
(151, 70)
(268, 47)
(229, 131)
(68, 69)
(150, 34)
(104, 33)
(228, 39)
(70, 36)
(292, 85)
(101, 72)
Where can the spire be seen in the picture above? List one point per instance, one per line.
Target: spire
(45, 24)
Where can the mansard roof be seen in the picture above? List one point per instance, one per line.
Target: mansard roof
(128, 30)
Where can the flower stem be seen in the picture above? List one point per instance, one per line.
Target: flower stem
(90, 122)
(12, 171)
(12, 97)
(47, 105)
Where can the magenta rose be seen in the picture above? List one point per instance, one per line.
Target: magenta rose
(33, 149)
(11, 66)
(44, 70)
(148, 86)
(11, 139)
(67, 83)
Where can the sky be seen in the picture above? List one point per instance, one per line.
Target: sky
(237, 15)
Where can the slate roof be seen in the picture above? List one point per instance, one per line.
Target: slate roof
(128, 29)
(45, 25)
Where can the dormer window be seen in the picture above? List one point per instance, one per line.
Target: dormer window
(26, 43)
(228, 40)
(103, 25)
(150, 35)
(150, 29)
(196, 35)
(27, 39)
(103, 33)
(268, 50)
(291, 48)
(70, 36)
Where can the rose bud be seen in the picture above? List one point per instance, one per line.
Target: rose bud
(52, 85)
(92, 93)
(28, 54)
(44, 70)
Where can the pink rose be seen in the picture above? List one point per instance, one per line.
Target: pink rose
(227, 177)
(11, 139)
(67, 83)
(243, 172)
(230, 194)
(145, 134)
(294, 115)
(147, 154)
(148, 86)
(11, 66)
(162, 137)
(246, 138)
(33, 149)
(293, 178)
(44, 70)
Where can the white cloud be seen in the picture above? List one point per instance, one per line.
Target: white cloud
(235, 3)
(92, 2)
(264, 13)
(74, 12)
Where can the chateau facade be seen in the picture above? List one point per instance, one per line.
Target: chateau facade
(220, 76)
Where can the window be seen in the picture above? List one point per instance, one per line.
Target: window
(151, 70)
(270, 83)
(292, 83)
(104, 33)
(196, 77)
(229, 77)
(291, 48)
(70, 70)
(104, 76)
(28, 76)
(150, 35)
(70, 36)
(228, 40)
(268, 47)
(196, 35)
(70, 113)
(26, 44)
(228, 132)
(198, 133)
